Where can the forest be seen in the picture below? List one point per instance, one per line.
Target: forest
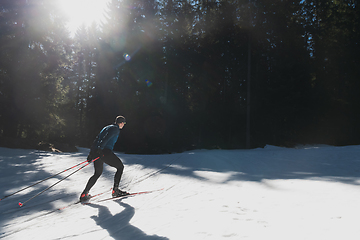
(191, 74)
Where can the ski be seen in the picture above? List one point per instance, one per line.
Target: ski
(124, 196)
(93, 196)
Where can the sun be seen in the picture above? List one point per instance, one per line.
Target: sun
(82, 12)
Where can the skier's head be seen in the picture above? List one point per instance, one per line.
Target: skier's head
(120, 119)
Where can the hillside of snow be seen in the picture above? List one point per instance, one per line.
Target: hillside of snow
(265, 193)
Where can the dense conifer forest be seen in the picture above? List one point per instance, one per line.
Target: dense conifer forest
(185, 74)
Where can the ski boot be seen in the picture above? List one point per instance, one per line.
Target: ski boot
(118, 193)
(84, 197)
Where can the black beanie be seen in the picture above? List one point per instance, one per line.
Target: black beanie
(120, 119)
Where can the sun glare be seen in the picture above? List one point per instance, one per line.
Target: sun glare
(82, 12)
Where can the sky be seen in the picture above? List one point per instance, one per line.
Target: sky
(83, 11)
(311, 192)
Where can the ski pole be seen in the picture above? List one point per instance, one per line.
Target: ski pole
(43, 180)
(22, 204)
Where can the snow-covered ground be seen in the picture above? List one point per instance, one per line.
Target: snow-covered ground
(267, 193)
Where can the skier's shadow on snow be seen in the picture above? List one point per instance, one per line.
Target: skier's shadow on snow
(118, 225)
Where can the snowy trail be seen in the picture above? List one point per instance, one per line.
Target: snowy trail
(270, 193)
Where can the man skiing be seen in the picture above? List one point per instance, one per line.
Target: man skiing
(103, 147)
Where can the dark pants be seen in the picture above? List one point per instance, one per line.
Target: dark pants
(111, 159)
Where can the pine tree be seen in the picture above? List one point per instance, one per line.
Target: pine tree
(34, 47)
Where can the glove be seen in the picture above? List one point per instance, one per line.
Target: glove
(89, 157)
(94, 154)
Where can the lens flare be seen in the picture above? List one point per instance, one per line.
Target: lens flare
(127, 57)
(148, 83)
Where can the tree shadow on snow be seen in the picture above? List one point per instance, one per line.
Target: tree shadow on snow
(19, 169)
(118, 225)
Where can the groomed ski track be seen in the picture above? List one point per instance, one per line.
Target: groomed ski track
(266, 193)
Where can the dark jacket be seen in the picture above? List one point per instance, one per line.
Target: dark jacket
(107, 137)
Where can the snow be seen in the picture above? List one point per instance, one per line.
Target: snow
(311, 192)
